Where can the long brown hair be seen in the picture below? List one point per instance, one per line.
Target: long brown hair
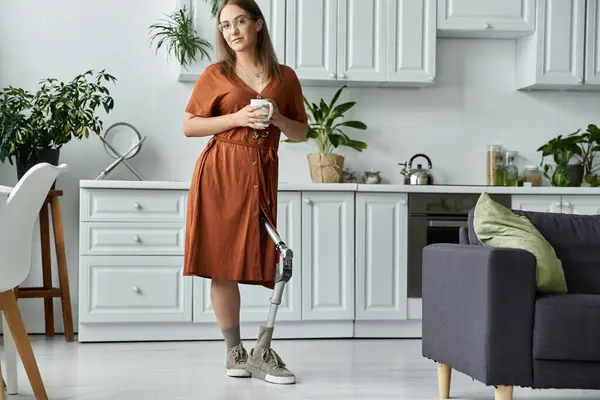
(264, 47)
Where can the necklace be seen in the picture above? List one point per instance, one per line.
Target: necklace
(257, 134)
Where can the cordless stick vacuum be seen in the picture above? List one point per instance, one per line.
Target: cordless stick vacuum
(283, 272)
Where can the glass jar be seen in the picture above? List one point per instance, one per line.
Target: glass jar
(511, 173)
(532, 175)
(499, 174)
(493, 159)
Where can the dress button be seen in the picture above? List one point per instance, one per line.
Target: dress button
(255, 186)
(254, 162)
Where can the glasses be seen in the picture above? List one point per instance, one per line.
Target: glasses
(226, 26)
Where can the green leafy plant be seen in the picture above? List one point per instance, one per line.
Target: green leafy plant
(31, 123)
(214, 9)
(573, 158)
(324, 129)
(176, 32)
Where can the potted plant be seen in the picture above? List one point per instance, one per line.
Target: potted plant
(325, 165)
(34, 126)
(214, 7)
(573, 158)
(178, 35)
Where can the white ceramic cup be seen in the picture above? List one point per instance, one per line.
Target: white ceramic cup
(263, 102)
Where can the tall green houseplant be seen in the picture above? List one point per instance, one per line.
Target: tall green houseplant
(35, 126)
(326, 131)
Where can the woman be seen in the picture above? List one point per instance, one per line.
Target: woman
(235, 179)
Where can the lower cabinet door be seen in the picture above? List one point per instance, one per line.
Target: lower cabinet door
(328, 256)
(134, 289)
(381, 256)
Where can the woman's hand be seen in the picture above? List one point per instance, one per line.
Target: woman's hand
(276, 117)
(250, 115)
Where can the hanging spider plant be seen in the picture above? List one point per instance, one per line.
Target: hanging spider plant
(177, 33)
(214, 7)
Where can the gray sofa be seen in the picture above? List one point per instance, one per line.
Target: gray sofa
(483, 317)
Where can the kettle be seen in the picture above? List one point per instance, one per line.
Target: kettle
(419, 175)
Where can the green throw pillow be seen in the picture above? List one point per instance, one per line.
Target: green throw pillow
(497, 226)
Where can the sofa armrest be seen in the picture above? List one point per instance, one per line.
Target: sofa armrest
(478, 309)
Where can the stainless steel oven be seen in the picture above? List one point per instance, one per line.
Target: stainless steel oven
(436, 218)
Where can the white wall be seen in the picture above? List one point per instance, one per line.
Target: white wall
(474, 104)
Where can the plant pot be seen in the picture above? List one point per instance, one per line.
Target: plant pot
(325, 167)
(569, 176)
(50, 156)
(575, 174)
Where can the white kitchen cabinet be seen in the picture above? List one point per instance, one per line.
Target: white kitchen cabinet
(592, 46)
(536, 202)
(565, 203)
(563, 52)
(361, 42)
(411, 42)
(485, 18)
(144, 288)
(327, 255)
(274, 13)
(311, 36)
(584, 205)
(254, 299)
(381, 256)
(131, 259)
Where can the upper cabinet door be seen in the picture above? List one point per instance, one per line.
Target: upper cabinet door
(553, 57)
(486, 18)
(361, 40)
(411, 41)
(274, 13)
(311, 38)
(592, 45)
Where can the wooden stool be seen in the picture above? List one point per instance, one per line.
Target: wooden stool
(47, 292)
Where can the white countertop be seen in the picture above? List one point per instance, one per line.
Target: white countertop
(183, 185)
(353, 187)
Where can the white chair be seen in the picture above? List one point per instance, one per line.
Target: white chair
(17, 220)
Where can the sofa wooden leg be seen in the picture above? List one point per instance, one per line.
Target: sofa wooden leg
(444, 375)
(504, 392)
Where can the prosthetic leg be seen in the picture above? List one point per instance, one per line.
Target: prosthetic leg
(283, 271)
(263, 362)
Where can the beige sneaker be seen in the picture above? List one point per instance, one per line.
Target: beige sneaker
(237, 357)
(264, 363)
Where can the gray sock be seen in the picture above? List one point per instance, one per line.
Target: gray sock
(232, 336)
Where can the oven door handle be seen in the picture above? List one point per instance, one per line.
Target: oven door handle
(447, 224)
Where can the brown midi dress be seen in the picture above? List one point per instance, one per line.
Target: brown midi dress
(235, 180)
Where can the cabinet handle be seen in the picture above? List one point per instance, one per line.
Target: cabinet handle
(487, 26)
(404, 202)
(137, 206)
(567, 204)
(136, 290)
(342, 76)
(307, 201)
(558, 204)
(332, 75)
(136, 239)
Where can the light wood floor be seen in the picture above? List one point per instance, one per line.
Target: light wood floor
(326, 369)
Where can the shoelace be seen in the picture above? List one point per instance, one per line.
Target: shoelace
(269, 355)
(239, 355)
